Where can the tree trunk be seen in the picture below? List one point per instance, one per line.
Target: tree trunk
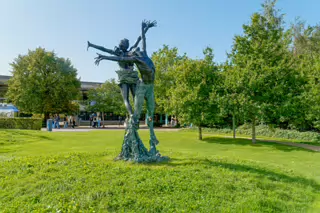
(234, 125)
(46, 116)
(254, 130)
(102, 119)
(200, 132)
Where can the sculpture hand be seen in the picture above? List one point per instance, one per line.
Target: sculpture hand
(144, 24)
(152, 24)
(98, 59)
(89, 45)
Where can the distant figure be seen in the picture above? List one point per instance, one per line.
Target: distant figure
(120, 120)
(99, 121)
(65, 120)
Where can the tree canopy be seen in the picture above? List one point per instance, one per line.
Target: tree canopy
(43, 83)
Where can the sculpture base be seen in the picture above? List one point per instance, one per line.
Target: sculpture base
(134, 150)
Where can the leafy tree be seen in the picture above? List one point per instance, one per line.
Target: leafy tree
(307, 54)
(107, 98)
(43, 83)
(195, 83)
(164, 60)
(264, 80)
(231, 98)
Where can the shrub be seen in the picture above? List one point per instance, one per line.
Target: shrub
(264, 130)
(21, 123)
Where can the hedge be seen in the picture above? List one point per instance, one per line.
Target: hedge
(264, 130)
(21, 123)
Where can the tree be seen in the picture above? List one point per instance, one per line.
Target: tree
(231, 98)
(107, 98)
(164, 60)
(306, 51)
(43, 83)
(196, 81)
(264, 78)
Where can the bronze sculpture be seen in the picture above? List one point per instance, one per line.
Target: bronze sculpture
(133, 149)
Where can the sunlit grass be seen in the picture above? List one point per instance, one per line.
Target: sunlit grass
(75, 171)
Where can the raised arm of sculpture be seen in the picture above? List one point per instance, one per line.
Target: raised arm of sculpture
(146, 28)
(101, 48)
(113, 58)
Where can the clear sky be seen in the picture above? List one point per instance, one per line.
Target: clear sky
(190, 25)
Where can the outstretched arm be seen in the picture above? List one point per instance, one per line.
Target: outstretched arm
(149, 25)
(143, 36)
(113, 58)
(101, 48)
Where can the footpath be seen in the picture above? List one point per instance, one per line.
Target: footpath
(106, 127)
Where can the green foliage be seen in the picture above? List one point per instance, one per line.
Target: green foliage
(263, 77)
(107, 98)
(307, 54)
(43, 83)
(21, 123)
(267, 131)
(196, 81)
(236, 177)
(165, 60)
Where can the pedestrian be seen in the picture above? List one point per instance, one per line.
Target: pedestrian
(65, 120)
(99, 121)
(58, 121)
(94, 122)
(73, 122)
(120, 120)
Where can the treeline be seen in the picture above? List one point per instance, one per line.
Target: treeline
(271, 77)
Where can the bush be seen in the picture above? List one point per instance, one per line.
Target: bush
(264, 130)
(21, 123)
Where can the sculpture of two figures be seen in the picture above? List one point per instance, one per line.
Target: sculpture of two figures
(142, 89)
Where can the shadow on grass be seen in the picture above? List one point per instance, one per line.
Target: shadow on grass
(259, 172)
(248, 142)
(28, 133)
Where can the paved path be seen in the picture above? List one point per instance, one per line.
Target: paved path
(110, 127)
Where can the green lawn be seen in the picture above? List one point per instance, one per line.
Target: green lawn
(75, 172)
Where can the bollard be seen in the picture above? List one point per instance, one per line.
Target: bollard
(49, 125)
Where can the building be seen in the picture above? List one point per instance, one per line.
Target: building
(85, 87)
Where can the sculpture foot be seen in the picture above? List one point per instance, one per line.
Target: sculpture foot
(153, 140)
(153, 151)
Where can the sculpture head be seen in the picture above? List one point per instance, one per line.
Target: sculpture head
(124, 44)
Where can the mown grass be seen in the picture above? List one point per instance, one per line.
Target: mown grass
(267, 133)
(75, 172)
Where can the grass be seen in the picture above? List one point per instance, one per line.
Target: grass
(75, 172)
(267, 133)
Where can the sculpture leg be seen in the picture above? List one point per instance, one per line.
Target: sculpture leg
(125, 94)
(133, 90)
(150, 107)
(138, 103)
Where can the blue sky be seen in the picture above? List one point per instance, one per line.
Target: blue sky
(65, 26)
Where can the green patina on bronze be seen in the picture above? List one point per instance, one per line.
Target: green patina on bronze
(127, 76)
(133, 148)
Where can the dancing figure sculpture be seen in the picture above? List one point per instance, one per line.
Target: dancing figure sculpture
(133, 148)
(127, 77)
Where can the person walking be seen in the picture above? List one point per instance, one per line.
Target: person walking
(120, 120)
(99, 121)
(65, 119)
(58, 121)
